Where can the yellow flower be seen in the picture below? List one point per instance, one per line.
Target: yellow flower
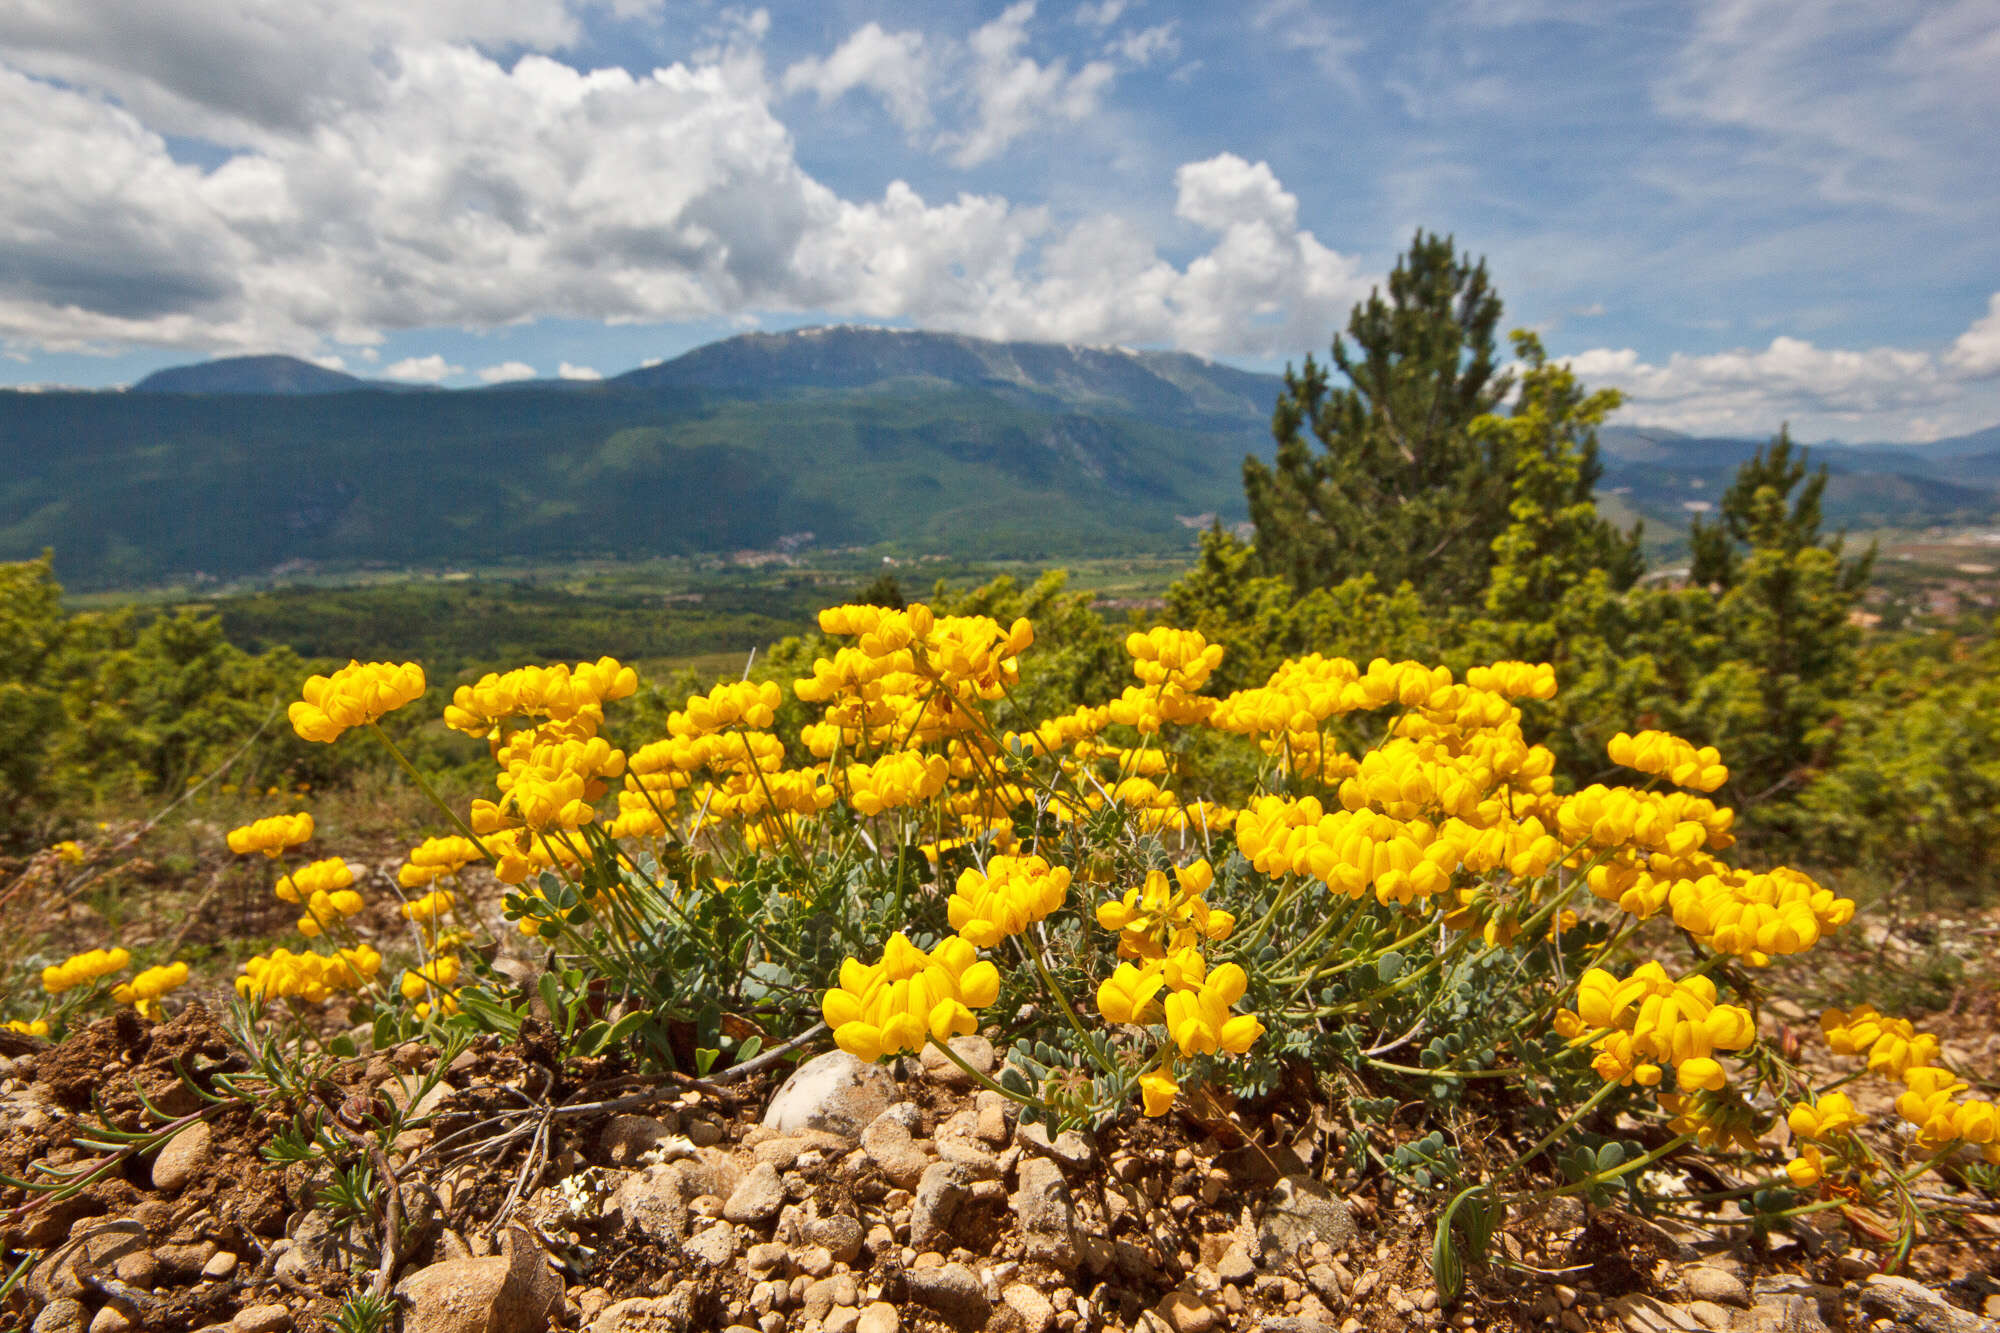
(83, 968)
(272, 835)
(37, 1027)
(1127, 995)
(882, 1008)
(1832, 1113)
(355, 695)
(1199, 1019)
(315, 878)
(1157, 1091)
(1012, 892)
(69, 852)
(151, 984)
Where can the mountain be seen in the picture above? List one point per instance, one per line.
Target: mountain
(1666, 476)
(920, 442)
(1160, 386)
(835, 437)
(251, 374)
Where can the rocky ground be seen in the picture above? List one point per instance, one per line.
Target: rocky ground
(848, 1199)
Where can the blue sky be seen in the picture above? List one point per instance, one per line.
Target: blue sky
(1739, 212)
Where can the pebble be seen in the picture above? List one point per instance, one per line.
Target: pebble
(881, 1317)
(975, 1050)
(714, 1246)
(183, 1157)
(221, 1266)
(1186, 1313)
(1703, 1283)
(1034, 1310)
(759, 1197)
(952, 1289)
(261, 1319)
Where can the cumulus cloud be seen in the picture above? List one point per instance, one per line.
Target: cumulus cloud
(570, 372)
(430, 369)
(461, 192)
(1977, 351)
(1013, 93)
(507, 372)
(892, 65)
(243, 71)
(1880, 393)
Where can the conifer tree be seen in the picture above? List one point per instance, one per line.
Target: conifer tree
(1397, 486)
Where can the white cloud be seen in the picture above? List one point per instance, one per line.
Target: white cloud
(422, 369)
(1147, 45)
(1298, 26)
(1101, 15)
(1013, 94)
(1869, 103)
(242, 71)
(507, 372)
(1882, 393)
(1977, 351)
(466, 194)
(570, 372)
(893, 65)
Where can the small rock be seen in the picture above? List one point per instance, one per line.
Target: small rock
(758, 1199)
(1714, 1317)
(511, 1292)
(1301, 1211)
(1235, 1265)
(890, 1143)
(187, 1262)
(115, 1317)
(627, 1138)
(138, 1269)
(953, 1290)
(1703, 1283)
(1639, 1313)
(183, 1157)
(1035, 1311)
(840, 1319)
(990, 1110)
(881, 1317)
(1047, 1217)
(842, 1236)
(264, 1319)
(767, 1258)
(1070, 1150)
(678, 1310)
(814, 1261)
(715, 1246)
(1186, 1312)
(973, 1049)
(958, 1140)
(221, 1266)
(64, 1314)
(941, 1190)
(834, 1092)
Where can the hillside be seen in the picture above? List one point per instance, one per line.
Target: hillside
(848, 437)
(816, 438)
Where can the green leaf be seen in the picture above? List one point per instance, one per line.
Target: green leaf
(748, 1050)
(1447, 1270)
(594, 1038)
(705, 1058)
(551, 992)
(343, 1046)
(1388, 966)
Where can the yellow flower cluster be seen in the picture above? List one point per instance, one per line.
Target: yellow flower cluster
(1649, 1020)
(427, 909)
(27, 1027)
(1164, 916)
(1890, 1045)
(1180, 658)
(559, 694)
(894, 1005)
(894, 780)
(354, 696)
(1670, 757)
(84, 968)
(312, 977)
(432, 985)
(1005, 898)
(315, 878)
(272, 835)
(435, 858)
(143, 992)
